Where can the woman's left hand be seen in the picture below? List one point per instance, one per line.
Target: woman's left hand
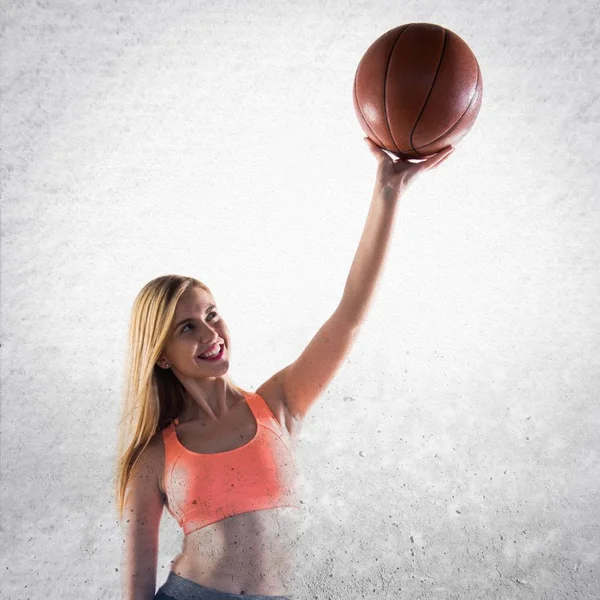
(395, 176)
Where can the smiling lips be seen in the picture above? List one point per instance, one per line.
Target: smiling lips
(212, 351)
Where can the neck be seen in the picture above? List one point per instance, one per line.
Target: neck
(207, 399)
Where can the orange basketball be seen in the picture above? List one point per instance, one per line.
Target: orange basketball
(417, 90)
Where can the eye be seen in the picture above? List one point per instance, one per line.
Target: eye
(191, 325)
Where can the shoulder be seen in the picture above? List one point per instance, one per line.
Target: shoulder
(273, 394)
(144, 500)
(150, 464)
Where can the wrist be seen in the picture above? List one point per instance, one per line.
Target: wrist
(387, 192)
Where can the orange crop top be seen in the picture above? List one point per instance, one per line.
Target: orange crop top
(205, 488)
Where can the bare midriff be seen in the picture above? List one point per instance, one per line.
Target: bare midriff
(249, 553)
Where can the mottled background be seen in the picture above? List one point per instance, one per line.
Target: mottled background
(455, 455)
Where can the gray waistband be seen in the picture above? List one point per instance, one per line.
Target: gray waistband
(180, 588)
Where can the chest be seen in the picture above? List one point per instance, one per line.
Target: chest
(259, 472)
(238, 429)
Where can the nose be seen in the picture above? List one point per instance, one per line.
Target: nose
(208, 335)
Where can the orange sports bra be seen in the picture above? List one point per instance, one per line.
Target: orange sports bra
(205, 488)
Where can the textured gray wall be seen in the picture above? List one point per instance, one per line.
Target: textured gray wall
(455, 455)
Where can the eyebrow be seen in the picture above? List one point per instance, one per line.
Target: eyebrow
(191, 318)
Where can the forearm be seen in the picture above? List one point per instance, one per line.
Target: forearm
(370, 255)
(139, 562)
(137, 584)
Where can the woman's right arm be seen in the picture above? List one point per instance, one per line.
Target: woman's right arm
(143, 509)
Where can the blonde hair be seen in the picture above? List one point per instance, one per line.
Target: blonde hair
(152, 396)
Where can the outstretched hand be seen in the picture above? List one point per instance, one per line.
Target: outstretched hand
(396, 175)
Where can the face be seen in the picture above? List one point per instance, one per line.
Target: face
(197, 326)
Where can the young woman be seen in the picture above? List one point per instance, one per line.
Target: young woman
(221, 459)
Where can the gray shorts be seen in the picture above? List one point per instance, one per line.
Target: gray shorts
(180, 588)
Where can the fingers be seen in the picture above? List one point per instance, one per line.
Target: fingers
(437, 159)
(443, 159)
(376, 151)
(429, 163)
(372, 146)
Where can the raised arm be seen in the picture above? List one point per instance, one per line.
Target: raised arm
(140, 523)
(307, 377)
(392, 180)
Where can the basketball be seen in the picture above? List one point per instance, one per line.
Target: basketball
(417, 89)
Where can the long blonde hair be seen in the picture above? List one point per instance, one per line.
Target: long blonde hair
(152, 396)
